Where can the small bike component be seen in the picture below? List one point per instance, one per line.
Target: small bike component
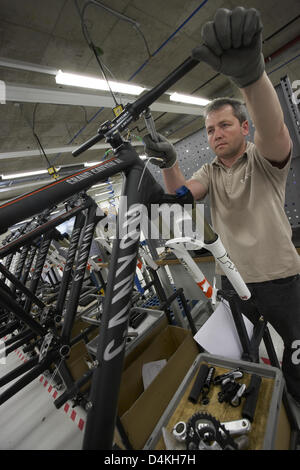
(234, 374)
(150, 125)
(204, 432)
(179, 431)
(206, 386)
(45, 346)
(198, 384)
(237, 427)
(136, 318)
(251, 397)
(231, 392)
(228, 391)
(236, 400)
(242, 442)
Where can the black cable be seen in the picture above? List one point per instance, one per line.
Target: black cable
(205, 83)
(41, 148)
(144, 39)
(32, 126)
(92, 46)
(103, 72)
(281, 29)
(36, 136)
(121, 16)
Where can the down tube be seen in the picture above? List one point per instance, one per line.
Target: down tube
(104, 393)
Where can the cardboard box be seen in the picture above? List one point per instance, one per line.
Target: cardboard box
(77, 362)
(141, 409)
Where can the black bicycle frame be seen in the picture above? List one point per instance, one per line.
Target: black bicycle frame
(67, 272)
(27, 238)
(102, 415)
(140, 189)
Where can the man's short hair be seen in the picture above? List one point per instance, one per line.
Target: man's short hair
(238, 107)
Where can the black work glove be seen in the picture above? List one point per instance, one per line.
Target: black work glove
(232, 45)
(162, 150)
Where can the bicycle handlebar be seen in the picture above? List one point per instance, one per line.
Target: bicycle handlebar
(142, 103)
(88, 144)
(132, 111)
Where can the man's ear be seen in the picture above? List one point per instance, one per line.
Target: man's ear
(245, 127)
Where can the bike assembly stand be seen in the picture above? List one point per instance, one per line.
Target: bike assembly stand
(250, 347)
(251, 354)
(163, 279)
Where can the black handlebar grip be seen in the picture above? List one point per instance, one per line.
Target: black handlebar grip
(198, 384)
(251, 398)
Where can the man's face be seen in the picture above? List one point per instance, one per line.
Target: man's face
(226, 135)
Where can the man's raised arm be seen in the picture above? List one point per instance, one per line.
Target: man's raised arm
(232, 45)
(271, 134)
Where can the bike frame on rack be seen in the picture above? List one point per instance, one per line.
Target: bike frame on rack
(44, 327)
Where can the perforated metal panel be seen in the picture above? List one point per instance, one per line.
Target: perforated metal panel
(292, 200)
(292, 120)
(291, 113)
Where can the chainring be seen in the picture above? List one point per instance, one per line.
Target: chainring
(205, 432)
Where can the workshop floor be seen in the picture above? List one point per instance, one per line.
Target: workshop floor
(30, 421)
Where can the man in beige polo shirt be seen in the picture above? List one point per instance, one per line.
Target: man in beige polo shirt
(246, 181)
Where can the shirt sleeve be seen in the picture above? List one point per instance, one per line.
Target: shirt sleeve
(203, 176)
(279, 175)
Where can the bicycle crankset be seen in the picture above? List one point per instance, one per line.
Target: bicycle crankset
(204, 432)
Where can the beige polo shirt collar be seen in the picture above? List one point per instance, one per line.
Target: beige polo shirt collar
(242, 158)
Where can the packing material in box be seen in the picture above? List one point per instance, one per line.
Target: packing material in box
(141, 409)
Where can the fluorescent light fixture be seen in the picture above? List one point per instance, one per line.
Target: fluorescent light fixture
(72, 79)
(87, 164)
(22, 175)
(189, 99)
(103, 185)
(105, 192)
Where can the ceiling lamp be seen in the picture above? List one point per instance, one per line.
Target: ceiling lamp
(23, 175)
(189, 99)
(63, 78)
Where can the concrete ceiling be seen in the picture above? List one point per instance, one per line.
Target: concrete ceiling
(39, 37)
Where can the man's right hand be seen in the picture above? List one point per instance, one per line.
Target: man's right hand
(232, 45)
(162, 150)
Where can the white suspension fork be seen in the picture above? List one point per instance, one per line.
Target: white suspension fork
(217, 249)
(189, 264)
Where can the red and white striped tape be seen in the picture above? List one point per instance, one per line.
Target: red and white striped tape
(75, 417)
(68, 409)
